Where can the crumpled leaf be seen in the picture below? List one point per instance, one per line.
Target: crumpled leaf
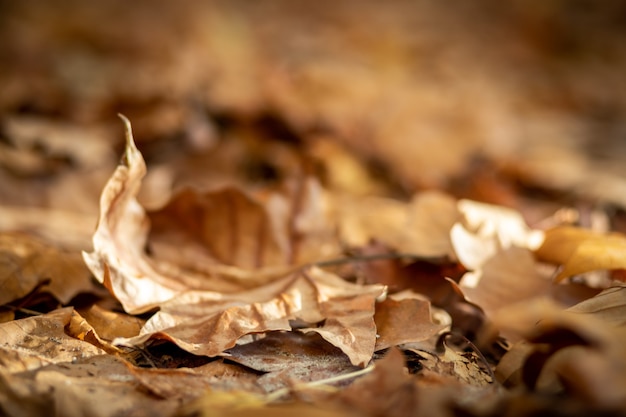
(196, 312)
(27, 261)
(581, 250)
(207, 323)
(201, 242)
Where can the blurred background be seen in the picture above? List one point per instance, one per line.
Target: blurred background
(516, 103)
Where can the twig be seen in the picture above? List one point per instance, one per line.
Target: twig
(320, 384)
(371, 258)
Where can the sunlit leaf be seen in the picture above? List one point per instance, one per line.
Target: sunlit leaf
(581, 250)
(485, 229)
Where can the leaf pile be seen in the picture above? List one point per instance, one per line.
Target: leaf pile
(330, 210)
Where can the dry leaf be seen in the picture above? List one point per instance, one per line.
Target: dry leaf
(609, 306)
(110, 324)
(452, 366)
(485, 229)
(27, 261)
(404, 321)
(118, 260)
(388, 390)
(207, 323)
(509, 276)
(291, 357)
(420, 228)
(35, 342)
(97, 386)
(184, 383)
(225, 226)
(203, 252)
(580, 250)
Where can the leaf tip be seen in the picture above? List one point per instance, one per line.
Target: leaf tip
(130, 141)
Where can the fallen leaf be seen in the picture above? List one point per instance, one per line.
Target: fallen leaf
(111, 324)
(97, 386)
(464, 368)
(35, 342)
(420, 227)
(27, 261)
(554, 333)
(200, 251)
(183, 384)
(608, 306)
(508, 276)
(581, 250)
(388, 390)
(403, 321)
(207, 323)
(486, 229)
(291, 357)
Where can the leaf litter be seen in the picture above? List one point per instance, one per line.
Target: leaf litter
(346, 281)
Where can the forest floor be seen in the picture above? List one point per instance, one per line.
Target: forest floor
(326, 208)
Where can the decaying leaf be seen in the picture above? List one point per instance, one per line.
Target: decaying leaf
(454, 366)
(581, 250)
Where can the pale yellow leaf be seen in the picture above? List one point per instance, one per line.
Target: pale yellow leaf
(581, 250)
